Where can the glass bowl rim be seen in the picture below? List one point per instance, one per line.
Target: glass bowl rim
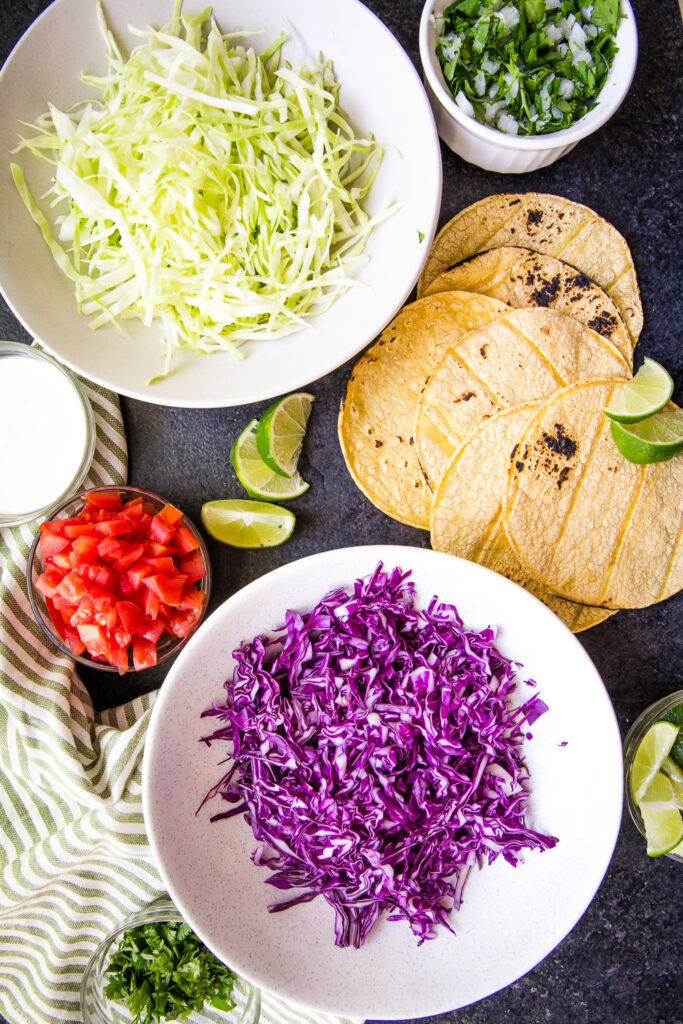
(9, 348)
(41, 618)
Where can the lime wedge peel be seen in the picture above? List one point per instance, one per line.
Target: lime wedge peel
(649, 757)
(643, 395)
(661, 817)
(280, 432)
(257, 478)
(247, 524)
(655, 439)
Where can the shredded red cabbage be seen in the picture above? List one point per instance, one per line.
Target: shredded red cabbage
(376, 756)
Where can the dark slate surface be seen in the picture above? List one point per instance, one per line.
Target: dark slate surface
(622, 961)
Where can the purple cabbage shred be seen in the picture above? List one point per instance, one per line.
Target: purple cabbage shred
(376, 754)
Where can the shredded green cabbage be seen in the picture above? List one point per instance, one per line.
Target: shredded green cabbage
(211, 188)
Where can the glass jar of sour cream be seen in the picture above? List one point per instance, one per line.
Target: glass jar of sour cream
(47, 433)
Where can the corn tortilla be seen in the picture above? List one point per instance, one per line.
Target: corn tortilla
(587, 523)
(551, 225)
(521, 277)
(467, 511)
(377, 416)
(522, 357)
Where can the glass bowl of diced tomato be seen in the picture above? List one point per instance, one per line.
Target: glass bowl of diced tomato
(118, 578)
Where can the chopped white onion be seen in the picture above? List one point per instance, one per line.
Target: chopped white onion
(508, 124)
(464, 104)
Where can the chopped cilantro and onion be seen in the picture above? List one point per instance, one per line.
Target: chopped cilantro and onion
(530, 67)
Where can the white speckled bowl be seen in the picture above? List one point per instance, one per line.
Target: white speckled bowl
(511, 917)
(512, 154)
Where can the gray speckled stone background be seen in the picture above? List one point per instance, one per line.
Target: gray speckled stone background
(622, 962)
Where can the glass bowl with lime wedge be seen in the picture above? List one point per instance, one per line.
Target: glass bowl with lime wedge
(653, 776)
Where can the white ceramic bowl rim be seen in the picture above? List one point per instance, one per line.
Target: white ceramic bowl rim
(627, 40)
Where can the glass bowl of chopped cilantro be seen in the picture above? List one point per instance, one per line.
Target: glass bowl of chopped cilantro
(515, 84)
(152, 967)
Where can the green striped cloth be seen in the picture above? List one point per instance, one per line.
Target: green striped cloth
(74, 857)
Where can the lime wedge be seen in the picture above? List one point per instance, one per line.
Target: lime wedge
(644, 395)
(654, 747)
(661, 817)
(675, 715)
(675, 776)
(258, 479)
(247, 524)
(655, 439)
(280, 432)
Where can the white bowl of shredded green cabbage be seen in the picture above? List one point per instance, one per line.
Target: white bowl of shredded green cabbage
(515, 84)
(206, 207)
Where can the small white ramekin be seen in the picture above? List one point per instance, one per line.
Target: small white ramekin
(515, 154)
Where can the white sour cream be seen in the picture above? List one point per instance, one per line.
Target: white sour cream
(43, 434)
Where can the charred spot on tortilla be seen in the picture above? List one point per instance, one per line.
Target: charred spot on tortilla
(482, 351)
(560, 443)
(604, 323)
(534, 217)
(547, 291)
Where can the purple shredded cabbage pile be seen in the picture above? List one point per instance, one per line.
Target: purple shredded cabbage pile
(376, 756)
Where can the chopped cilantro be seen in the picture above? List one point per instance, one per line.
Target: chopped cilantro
(421, 236)
(527, 67)
(163, 971)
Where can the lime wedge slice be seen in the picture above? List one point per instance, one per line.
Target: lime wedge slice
(644, 395)
(257, 478)
(280, 432)
(655, 439)
(661, 817)
(247, 524)
(654, 747)
(675, 776)
(675, 715)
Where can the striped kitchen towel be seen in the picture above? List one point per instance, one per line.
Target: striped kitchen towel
(74, 857)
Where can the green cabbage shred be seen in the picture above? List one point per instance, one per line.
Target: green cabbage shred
(212, 189)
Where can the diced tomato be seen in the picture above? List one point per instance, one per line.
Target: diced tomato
(160, 531)
(85, 545)
(165, 565)
(130, 615)
(151, 604)
(76, 528)
(168, 589)
(118, 578)
(118, 655)
(112, 527)
(151, 630)
(192, 565)
(144, 653)
(155, 550)
(137, 573)
(61, 560)
(109, 500)
(95, 639)
(72, 588)
(48, 582)
(191, 598)
(185, 540)
(181, 622)
(131, 553)
(170, 515)
(52, 543)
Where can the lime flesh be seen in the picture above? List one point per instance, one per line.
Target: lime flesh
(649, 757)
(656, 439)
(644, 395)
(247, 524)
(661, 817)
(257, 478)
(280, 432)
